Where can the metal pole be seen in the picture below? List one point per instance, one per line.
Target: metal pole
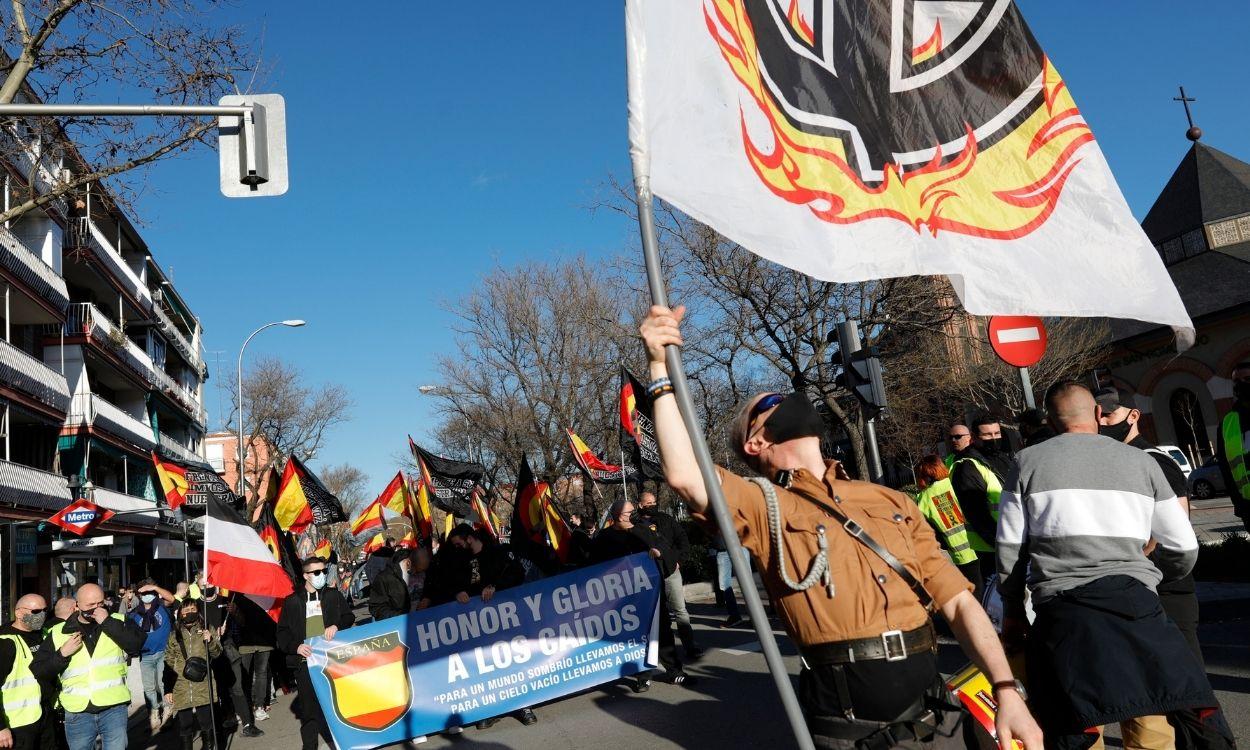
(127, 110)
(186, 551)
(849, 343)
(1027, 384)
(711, 482)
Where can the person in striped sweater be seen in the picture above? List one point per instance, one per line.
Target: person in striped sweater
(1074, 519)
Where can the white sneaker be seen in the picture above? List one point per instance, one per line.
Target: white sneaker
(415, 741)
(260, 714)
(154, 719)
(455, 730)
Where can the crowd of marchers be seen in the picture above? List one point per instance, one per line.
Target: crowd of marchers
(203, 657)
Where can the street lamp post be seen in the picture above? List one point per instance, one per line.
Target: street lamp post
(242, 454)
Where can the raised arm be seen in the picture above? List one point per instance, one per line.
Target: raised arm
(661, 327)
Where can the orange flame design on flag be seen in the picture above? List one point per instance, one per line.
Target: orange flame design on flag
(1005, 191)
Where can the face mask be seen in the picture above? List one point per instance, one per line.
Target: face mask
(147, 598)
(794, 417)
(34, 621)
(1241, 391)
(993, 446)
(87, 614)
(318, 580)
(1117, 432)
(210, 592)
(191, 619)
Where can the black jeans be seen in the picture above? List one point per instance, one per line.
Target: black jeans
(312, 721)
(256, 670)
(37, 736)
(228, 672)
(192, 719)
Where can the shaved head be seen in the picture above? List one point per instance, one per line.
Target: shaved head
(89, 597)
(32, 601)
(63, 608)
(1071, 407)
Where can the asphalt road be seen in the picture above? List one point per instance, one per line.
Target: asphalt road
(734, 704)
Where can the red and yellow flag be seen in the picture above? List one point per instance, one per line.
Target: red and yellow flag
(291, 506)
(376, 543)
(485, 518)
(323, 549)
(421, 518)
(370, 518)
(173, 481)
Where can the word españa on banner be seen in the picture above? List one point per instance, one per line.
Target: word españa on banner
(80, 517)
(456, 664)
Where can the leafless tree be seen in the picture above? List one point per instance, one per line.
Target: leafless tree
(285, 415)
(755, 323)
(75, 51)
(349, 484)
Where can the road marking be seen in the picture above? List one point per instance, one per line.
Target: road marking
(743, 649)
(1016, 335)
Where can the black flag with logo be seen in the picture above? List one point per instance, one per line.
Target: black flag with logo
(451, 482)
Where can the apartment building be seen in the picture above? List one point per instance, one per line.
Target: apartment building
(100, 366)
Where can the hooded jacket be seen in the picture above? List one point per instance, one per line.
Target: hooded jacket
(388, 593)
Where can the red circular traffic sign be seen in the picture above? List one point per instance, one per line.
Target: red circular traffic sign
(1018, 340)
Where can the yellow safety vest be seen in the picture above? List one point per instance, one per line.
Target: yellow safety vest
(20, 689)
(1235, 453)
(98, 678)
(938, 503)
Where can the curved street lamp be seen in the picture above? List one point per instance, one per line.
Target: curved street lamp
(242, 454)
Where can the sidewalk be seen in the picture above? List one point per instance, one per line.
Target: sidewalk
(281, 731)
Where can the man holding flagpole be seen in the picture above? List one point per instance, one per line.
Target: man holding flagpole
(871, 569)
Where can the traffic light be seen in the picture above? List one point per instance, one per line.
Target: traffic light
(862, 376)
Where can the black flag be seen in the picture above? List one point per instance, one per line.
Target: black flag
(451, 482)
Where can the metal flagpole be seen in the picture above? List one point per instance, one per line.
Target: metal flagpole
(681, 390)
(624, 479)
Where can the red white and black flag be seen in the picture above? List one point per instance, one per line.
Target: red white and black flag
(236, 558)
(638, 425)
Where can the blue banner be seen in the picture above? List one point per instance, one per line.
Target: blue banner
(456, 664)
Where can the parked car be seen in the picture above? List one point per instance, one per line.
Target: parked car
(1206, 481)
(1179, 457)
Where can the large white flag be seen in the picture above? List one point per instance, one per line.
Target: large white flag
(862, 139)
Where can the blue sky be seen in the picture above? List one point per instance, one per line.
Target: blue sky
(427, 144)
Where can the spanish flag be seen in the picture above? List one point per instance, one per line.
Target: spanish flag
(173, 481)
(594, 467)
(372, 517)
(485, 519)
(323, 549)
(376, 543)
(291, 507)
(421, 518)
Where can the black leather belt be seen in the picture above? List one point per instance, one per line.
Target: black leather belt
(893, 645)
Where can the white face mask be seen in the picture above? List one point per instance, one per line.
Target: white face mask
(405, 569)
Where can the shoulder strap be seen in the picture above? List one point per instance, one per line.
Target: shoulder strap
(863, 537)
(181, 646)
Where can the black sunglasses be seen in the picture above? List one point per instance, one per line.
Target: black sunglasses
(36, 611)
(764, 404)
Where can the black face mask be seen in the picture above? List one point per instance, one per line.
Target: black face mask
(994, 446)
(1117, 432)
(1241, 391)
(794, 417)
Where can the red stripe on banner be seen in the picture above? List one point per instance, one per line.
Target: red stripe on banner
(248, 576)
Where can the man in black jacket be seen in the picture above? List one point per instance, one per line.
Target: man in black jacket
(388, 594)
(977, 476)
(316, 610)
(221, 615)
(674, 545)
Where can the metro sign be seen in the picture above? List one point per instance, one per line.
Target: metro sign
(80, 517)
(1018, 340)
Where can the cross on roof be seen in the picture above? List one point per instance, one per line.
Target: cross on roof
(1194, 132)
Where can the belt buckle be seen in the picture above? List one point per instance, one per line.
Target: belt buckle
(897, 652)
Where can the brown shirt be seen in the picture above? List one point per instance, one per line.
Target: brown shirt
(869, 598)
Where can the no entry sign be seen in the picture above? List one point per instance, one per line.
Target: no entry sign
(81, 516)
(1018, 340)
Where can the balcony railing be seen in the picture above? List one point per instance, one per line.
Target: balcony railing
(179, 451)
(174, 335)
(120, 501)
(22, 485)
(83, 233)
(26, 265)
(88, 408)
(31, 376)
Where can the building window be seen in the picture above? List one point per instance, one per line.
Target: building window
(215, 456)
(1194, 241)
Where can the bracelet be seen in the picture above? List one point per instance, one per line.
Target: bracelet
(1015, 685)
(659, 387)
